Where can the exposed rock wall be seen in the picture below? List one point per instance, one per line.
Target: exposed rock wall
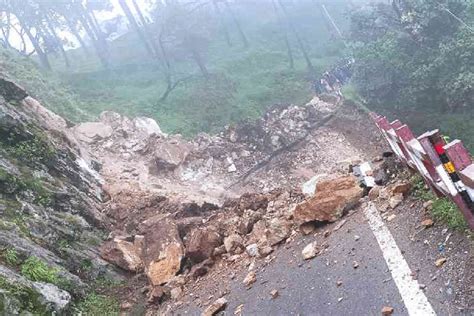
(50, 201)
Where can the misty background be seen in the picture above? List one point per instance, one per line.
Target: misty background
(198, 65)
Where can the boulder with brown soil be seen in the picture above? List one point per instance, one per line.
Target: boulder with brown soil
(331, 199)
(163, 249)
(123, 254)
(201, 243)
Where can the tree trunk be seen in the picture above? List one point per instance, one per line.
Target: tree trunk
(41, 54)
(197, 58)
(284, 29)
(58, 41)
(103, 56)
(222, 22)
(78, 37)
(298, 39)
(135, 26)
(237, 24)
(6, 30)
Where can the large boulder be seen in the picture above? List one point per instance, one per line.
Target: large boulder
(89, 132)
(332, 197)
(163, 249)
(201, 243)
(123, 254)
(167, 153)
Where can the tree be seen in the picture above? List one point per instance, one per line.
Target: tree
(135, 26)
(284, 30)
(413, 54)
(237, 24)
(222, 22)
(301, 45)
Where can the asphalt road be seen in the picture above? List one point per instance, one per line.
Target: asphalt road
(309, 287)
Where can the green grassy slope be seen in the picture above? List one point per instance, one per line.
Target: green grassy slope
(45, 87)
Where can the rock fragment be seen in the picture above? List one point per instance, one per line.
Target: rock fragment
(201, 244)
(310, 251)
(274, 293)
(234, 244)
(395, 200)
(440, 262)
(387, 310)
(252, 250)
(427, 223)
(250, 278)
(218, 305)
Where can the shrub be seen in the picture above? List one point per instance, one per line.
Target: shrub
(37, 270)
(98, 305)
(446, 211)
(10, 255)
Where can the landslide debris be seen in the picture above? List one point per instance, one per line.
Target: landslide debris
(180, 209)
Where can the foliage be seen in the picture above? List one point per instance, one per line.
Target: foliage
(37, 270)
(442, 209)
(11, 184)
(98, 305)
(27, 298)
(10, 255)
(33, 151)
(446, 211)
(45, 87)
(414, 59)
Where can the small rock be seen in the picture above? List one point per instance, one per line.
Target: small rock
(176, 293)
(326, 233)
(125, 305)
(428, 205)
(387, 310)
(234, 244)
(215, 307)
(156, 295)
(440, 262)
(340, 299)
(391, 217)
(252, 250)
(265, 250)
(274, 294)
(374, 193)
(232, 168)
(310, 251)
(238, 310)
(422, 286)
(427, 223)
(395, 200)
(338, 282)
(250, 278)
(355, 264)
(307, 228)
(401, 188)
(356, 237)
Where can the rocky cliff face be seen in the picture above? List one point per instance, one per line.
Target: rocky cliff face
(51, 222)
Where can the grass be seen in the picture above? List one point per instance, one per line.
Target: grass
(98, 305)
(442, 209)
(10, 255)
(26, 299)
(36, 270)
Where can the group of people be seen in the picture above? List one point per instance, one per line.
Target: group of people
(332, 80)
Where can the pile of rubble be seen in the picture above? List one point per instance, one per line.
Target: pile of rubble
(178, 207)
(137, 153)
